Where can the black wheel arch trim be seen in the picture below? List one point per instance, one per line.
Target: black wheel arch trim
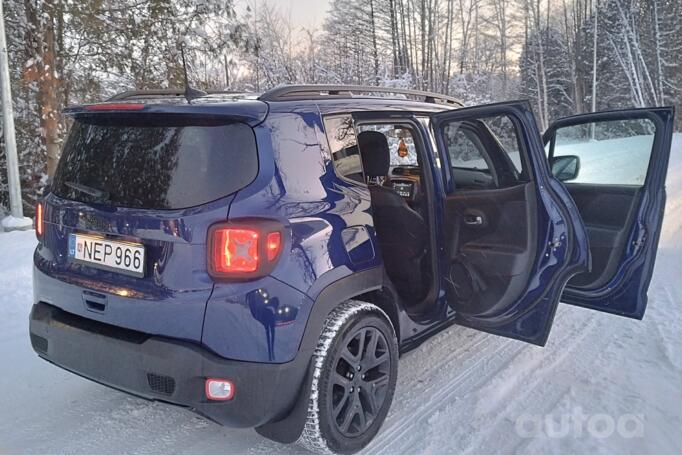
(288, 429)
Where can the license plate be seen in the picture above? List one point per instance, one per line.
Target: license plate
(123, 257)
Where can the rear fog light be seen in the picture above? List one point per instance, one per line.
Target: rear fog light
(219, 389)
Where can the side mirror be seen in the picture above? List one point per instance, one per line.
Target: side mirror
(565, 167)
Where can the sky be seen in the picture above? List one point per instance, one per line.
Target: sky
(304, 13)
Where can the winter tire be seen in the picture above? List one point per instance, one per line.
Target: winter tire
(355, 367)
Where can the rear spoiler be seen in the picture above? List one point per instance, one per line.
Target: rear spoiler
(251, 112)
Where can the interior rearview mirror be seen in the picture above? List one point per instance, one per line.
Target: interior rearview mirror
(565, 167)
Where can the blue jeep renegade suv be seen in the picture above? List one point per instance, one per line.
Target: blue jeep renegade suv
(264, 260)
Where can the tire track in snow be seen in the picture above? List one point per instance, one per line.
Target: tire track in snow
(542, 385)
(423, 406)
(498, 366)
(416, 376)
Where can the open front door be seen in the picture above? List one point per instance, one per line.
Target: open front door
(614, 166)
(511, 236)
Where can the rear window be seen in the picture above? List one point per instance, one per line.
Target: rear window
(155, 167)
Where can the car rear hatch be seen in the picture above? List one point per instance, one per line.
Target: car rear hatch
(126, 218)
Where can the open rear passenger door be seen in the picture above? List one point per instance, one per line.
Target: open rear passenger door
(614, 166)
(511, 235)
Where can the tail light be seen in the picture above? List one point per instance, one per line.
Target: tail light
(243, 249)
(40, 226)
(273, 244)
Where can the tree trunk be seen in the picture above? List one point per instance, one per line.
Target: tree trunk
(423, 42)
(375, 53)
(395, 40)
(49, 86)
(503, 46)
(406, 63)
(658, 43)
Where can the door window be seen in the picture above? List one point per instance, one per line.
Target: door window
(612, 152)
(504, 132)
(484, 153)
(465, 149)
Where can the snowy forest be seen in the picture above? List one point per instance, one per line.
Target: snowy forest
(64, 52)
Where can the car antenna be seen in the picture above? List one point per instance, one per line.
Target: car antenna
(190, 93)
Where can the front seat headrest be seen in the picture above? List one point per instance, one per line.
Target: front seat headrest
(376, 156)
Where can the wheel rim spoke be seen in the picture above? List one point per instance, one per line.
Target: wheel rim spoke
(361, 417)
(361, 344)
(372, 348)
(341, 405)
(340, 380)
(377, 361)
(349, 357)
(378, 382)
(371, 401)
(350, 415)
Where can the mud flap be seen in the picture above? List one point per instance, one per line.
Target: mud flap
(289, 428)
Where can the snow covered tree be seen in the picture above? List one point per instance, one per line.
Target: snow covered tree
(66, 51)
(547, 82)
(63, 52)
(639, 53)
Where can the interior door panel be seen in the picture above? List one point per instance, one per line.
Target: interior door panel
(619, 188)
(509, 246)
(607, 213)
(489, 235)
(473, 179)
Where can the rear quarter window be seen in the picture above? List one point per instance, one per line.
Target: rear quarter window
(344, 147)
(155, 167)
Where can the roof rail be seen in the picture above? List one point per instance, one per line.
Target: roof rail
(313, 91)
(131, 94)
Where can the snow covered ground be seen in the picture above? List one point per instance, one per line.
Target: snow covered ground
(615, 383)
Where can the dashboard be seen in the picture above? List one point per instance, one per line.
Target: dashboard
(404, 189)
(405, 180)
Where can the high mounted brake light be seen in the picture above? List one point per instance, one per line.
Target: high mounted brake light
(243, 249)
(115, 107)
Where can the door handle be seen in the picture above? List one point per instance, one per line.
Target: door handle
(473, 220)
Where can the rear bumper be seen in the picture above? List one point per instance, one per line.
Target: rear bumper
(163, 369)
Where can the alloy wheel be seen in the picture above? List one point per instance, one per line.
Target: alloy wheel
(359, 382)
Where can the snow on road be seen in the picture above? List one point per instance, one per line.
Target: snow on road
(461, 392)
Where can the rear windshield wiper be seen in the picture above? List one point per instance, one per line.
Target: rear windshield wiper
(98, 194)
